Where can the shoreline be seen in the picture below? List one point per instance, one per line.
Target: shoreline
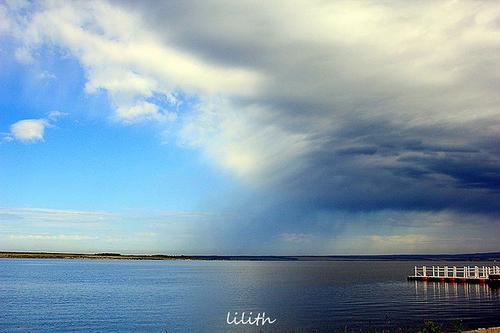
(119, 256)
(494, 256)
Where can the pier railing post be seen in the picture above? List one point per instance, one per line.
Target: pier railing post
(454, 271)
(424, 270)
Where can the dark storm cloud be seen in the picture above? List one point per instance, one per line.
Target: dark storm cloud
(472, 171)
(399, 114)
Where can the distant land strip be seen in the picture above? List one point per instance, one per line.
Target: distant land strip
(495, 256)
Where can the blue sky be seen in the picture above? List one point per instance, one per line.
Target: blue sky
(103, 164)
(342, 128)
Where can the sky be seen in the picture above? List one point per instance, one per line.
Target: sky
(243, 127)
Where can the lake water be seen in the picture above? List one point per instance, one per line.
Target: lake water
(44, 295)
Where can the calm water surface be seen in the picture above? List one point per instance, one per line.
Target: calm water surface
(44, 295)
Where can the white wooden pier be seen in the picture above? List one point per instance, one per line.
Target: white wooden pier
(468, 274)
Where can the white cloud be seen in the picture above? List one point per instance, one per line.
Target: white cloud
(99, 231)
(131, 62)
(276, 92)
(143, 111)
(47, 214)
(240, 140)
(28, 130)
(401, 239)
(332, 64)
(296, 237)
(32, 130)
(46, 75)
(53, 115)
(123, 57)
(4, 20)
(50, 237)
(23, 55)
